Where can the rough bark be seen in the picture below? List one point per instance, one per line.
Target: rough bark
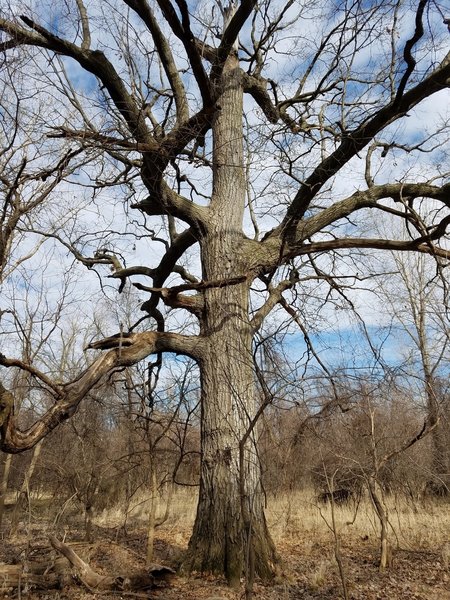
(220, 536)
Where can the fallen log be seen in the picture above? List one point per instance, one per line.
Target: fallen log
(59, 572)
(16, 576)
(96, 582)
(84, 573)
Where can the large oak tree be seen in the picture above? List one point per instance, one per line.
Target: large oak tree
(268, 137)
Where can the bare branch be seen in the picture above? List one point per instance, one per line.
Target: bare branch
(93, 61)
(275, 297)
(143, 9)
(183, 31)
(355, 141)
(409, 59)
(13, 362)
(138, 346)
(86, 43)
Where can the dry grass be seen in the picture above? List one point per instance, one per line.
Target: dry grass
(446, 555)
(426, 526)
(182, 510)
(298, 515)
(301, 529)
(420, 536)
(318, 576)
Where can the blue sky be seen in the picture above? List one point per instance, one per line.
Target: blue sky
(348, 349)
(345, 346)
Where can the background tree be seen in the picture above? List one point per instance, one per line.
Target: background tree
(418, 300)
(156, 95)
(29, 175)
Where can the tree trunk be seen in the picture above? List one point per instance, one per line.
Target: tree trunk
(439, 468)
(440, 460)
(220, 536)
(152, 511)
(4, 485)
(378, 501)
(24, 493)
(89, 496)
(440, 483)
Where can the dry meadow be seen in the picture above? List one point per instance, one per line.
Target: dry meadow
(301, 527)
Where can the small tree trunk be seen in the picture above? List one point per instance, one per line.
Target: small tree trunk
(6, 409)
(377, 497)
(152, 513)
(4, 485)
(440, 466)
(337, 538)
(24, 493)
(91, 493)
(88, 513)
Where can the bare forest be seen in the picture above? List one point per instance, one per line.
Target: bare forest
(224, 316)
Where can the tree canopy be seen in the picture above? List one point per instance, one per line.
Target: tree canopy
(228, 162)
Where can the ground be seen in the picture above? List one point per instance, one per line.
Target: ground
(307, 568)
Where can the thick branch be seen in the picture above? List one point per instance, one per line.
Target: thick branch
(86, 43)
(275, 296)
(193, 303)
(164, 200)
(142, 8)
(230, 35)
(183, 32)
(184, 241)
(257, 88)
(91, 579)
(200, 285)
(21, 36)
(263, 258)
(167, 202)
(126, 350)
(355, 141)
(121, 583)
(274, 251)
(376, 244)
(156, 156)
(367, 199)
(409, 59)
(174, 297)
(129, 271)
